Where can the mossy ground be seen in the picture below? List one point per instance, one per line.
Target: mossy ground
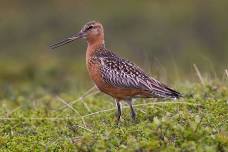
(36, 122)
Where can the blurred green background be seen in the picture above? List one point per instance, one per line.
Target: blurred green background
(164, 37)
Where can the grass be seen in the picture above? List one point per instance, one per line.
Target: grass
(43, 109)
(198, 122)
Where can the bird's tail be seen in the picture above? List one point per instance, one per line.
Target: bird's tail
(172, 93)
(157, 89)
(161, 90)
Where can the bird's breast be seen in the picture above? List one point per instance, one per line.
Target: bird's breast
(94, 71)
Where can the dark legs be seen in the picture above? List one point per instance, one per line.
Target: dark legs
(133, 113)
(119, 110)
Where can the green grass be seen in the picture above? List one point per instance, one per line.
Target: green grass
(36, 122)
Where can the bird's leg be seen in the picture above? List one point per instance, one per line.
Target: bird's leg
(119, 111)
(133, 113)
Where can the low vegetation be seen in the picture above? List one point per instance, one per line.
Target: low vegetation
(39, 121)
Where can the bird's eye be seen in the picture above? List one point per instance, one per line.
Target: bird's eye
(90, 27)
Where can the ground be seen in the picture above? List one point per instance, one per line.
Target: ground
(43, 121)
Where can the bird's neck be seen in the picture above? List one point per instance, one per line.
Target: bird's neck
(94, 44)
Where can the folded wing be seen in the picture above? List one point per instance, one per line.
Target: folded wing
(124, 74)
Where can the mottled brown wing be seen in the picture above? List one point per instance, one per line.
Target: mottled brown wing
(124, 74)
(118, 73)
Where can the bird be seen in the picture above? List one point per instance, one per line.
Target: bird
(113, 75)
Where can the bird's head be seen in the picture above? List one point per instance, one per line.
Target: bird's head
(92, 31)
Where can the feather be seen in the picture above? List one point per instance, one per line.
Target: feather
(122, 73)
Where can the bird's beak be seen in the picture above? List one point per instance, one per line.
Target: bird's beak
(68, 40)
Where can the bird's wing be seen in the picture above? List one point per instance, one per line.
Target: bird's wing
(124, 74)
(119, 74)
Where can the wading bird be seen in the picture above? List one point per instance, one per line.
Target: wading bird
(113, 75)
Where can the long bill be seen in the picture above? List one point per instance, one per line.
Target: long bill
(67, 40)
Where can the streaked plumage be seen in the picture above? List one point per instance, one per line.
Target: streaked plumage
(121, 73)
(116, 76)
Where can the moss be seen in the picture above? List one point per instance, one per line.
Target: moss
(200, 124)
